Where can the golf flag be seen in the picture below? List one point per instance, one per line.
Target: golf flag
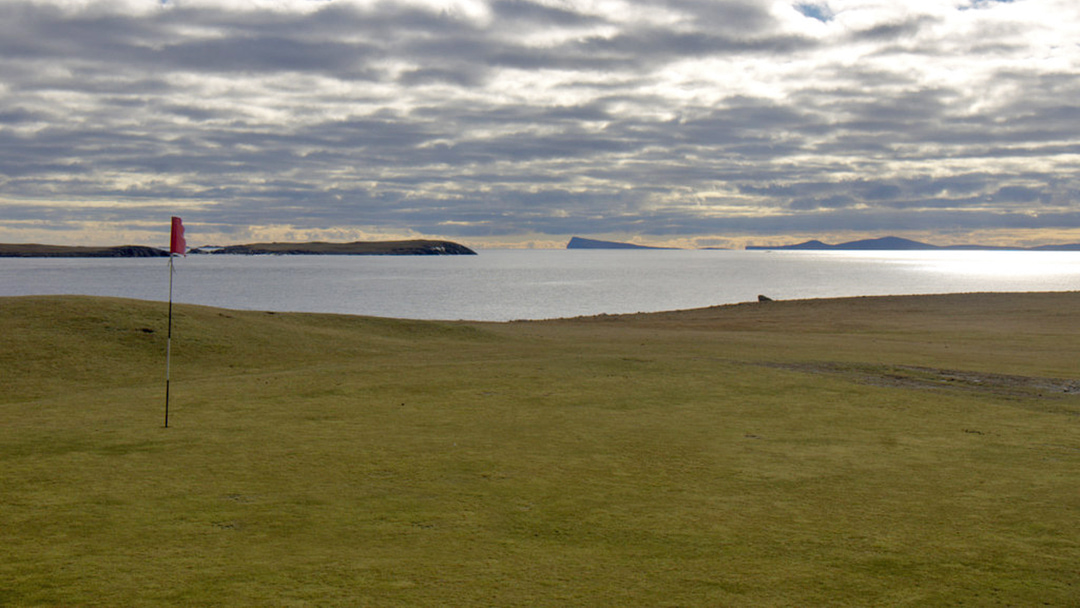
(177, 244)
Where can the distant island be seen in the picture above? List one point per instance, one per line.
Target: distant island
(34, 250)
(413, 247)
(580, 243)
(892, 243)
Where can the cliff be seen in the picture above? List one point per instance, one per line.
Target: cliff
(580, 243)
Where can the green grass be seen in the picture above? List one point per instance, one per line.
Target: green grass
(863, 452)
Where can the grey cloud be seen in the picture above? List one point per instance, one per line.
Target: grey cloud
(539, 14)
(734, 16)
(918, 193)
(195, 113)
(414, 119)
(270, 54)
(832, 202)
(1021, 194)
(657, 45)
(464, 76)
(957, 184)
(986, 3)
(880, 192)
(20, 115)
(894, 31)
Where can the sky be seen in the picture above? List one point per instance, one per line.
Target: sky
(520, 123)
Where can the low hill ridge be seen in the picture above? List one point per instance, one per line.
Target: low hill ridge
(410, 247)
(36, 250)
(895, 243)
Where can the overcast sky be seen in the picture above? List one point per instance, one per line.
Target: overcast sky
(518, 122)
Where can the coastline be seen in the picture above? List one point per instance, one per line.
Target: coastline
(823, 312)
(409, 247)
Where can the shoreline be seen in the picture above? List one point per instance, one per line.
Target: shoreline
(785, 308)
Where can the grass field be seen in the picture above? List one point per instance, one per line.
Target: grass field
(901, 451)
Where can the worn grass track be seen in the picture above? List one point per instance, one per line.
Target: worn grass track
(871, 451)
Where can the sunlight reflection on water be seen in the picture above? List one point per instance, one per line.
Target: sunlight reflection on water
(1002, 264)
(501, 285)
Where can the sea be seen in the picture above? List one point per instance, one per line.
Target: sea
(516, 284)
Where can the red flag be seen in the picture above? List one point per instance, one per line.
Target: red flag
(177, 244)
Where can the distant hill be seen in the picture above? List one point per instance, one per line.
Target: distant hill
(35, 250)
(413, 247)
(580, 243)
(1068, 247)
(893, 243)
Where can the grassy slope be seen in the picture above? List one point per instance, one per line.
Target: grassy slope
(788, 453)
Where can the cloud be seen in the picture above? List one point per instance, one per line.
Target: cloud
(677, 118)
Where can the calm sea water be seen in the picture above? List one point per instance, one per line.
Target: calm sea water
(501, 285)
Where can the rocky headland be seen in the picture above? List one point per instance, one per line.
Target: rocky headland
(578, 242)
(412, 247)
(34, 250)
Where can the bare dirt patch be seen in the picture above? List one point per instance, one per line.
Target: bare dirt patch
(929, 378)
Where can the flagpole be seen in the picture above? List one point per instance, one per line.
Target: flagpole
(168, 344)
(177, 244)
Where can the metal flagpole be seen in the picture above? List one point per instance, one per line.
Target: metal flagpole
(168, 344)
(177, 244)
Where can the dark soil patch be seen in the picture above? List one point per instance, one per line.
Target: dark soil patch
(916, 377)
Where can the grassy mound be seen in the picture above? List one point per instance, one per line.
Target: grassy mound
(869, 451)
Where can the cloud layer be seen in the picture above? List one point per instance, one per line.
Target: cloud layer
(496, 121)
